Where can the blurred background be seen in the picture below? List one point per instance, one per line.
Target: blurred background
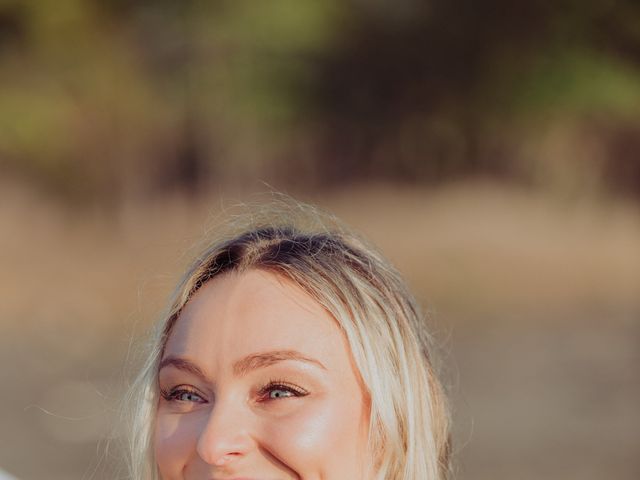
(490, 149)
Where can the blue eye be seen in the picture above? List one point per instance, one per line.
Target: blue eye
(280, 393)
(186, 396)
(181, 394)
(276, 390)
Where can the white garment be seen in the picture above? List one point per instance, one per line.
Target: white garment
(5, 476)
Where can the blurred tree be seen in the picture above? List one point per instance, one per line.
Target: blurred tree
(121, 99)
(426, 94)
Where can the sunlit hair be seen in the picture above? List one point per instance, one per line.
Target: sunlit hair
(409, 427)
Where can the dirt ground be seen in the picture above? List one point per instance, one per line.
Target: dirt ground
(534, 301)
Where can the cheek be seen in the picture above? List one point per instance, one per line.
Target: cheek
(175, 439)
(326, 439)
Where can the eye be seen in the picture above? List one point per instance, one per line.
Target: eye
(183, 394)
(186, 396)
(276, 390)
(279, 393)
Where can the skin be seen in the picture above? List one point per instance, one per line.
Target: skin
(257, 383)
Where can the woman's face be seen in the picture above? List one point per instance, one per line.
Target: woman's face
(257, 383)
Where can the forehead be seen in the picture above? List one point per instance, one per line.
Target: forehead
(238, 314)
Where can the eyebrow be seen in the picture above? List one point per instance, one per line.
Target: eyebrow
(243, 366)
(262, 360)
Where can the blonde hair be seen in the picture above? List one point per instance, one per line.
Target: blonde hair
(409, 427)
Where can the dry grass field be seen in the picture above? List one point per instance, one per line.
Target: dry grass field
(534, 301)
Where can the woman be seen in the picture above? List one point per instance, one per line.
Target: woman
(288, 352)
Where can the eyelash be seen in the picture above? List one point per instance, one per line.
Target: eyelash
(276, 384)
(173, 394)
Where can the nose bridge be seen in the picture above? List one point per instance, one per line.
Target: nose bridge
(225, 435)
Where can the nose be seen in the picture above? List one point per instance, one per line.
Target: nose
(225, 435)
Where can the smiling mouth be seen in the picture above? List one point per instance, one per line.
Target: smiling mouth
(244, 478)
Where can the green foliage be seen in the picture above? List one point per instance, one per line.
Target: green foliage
(135, 95)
